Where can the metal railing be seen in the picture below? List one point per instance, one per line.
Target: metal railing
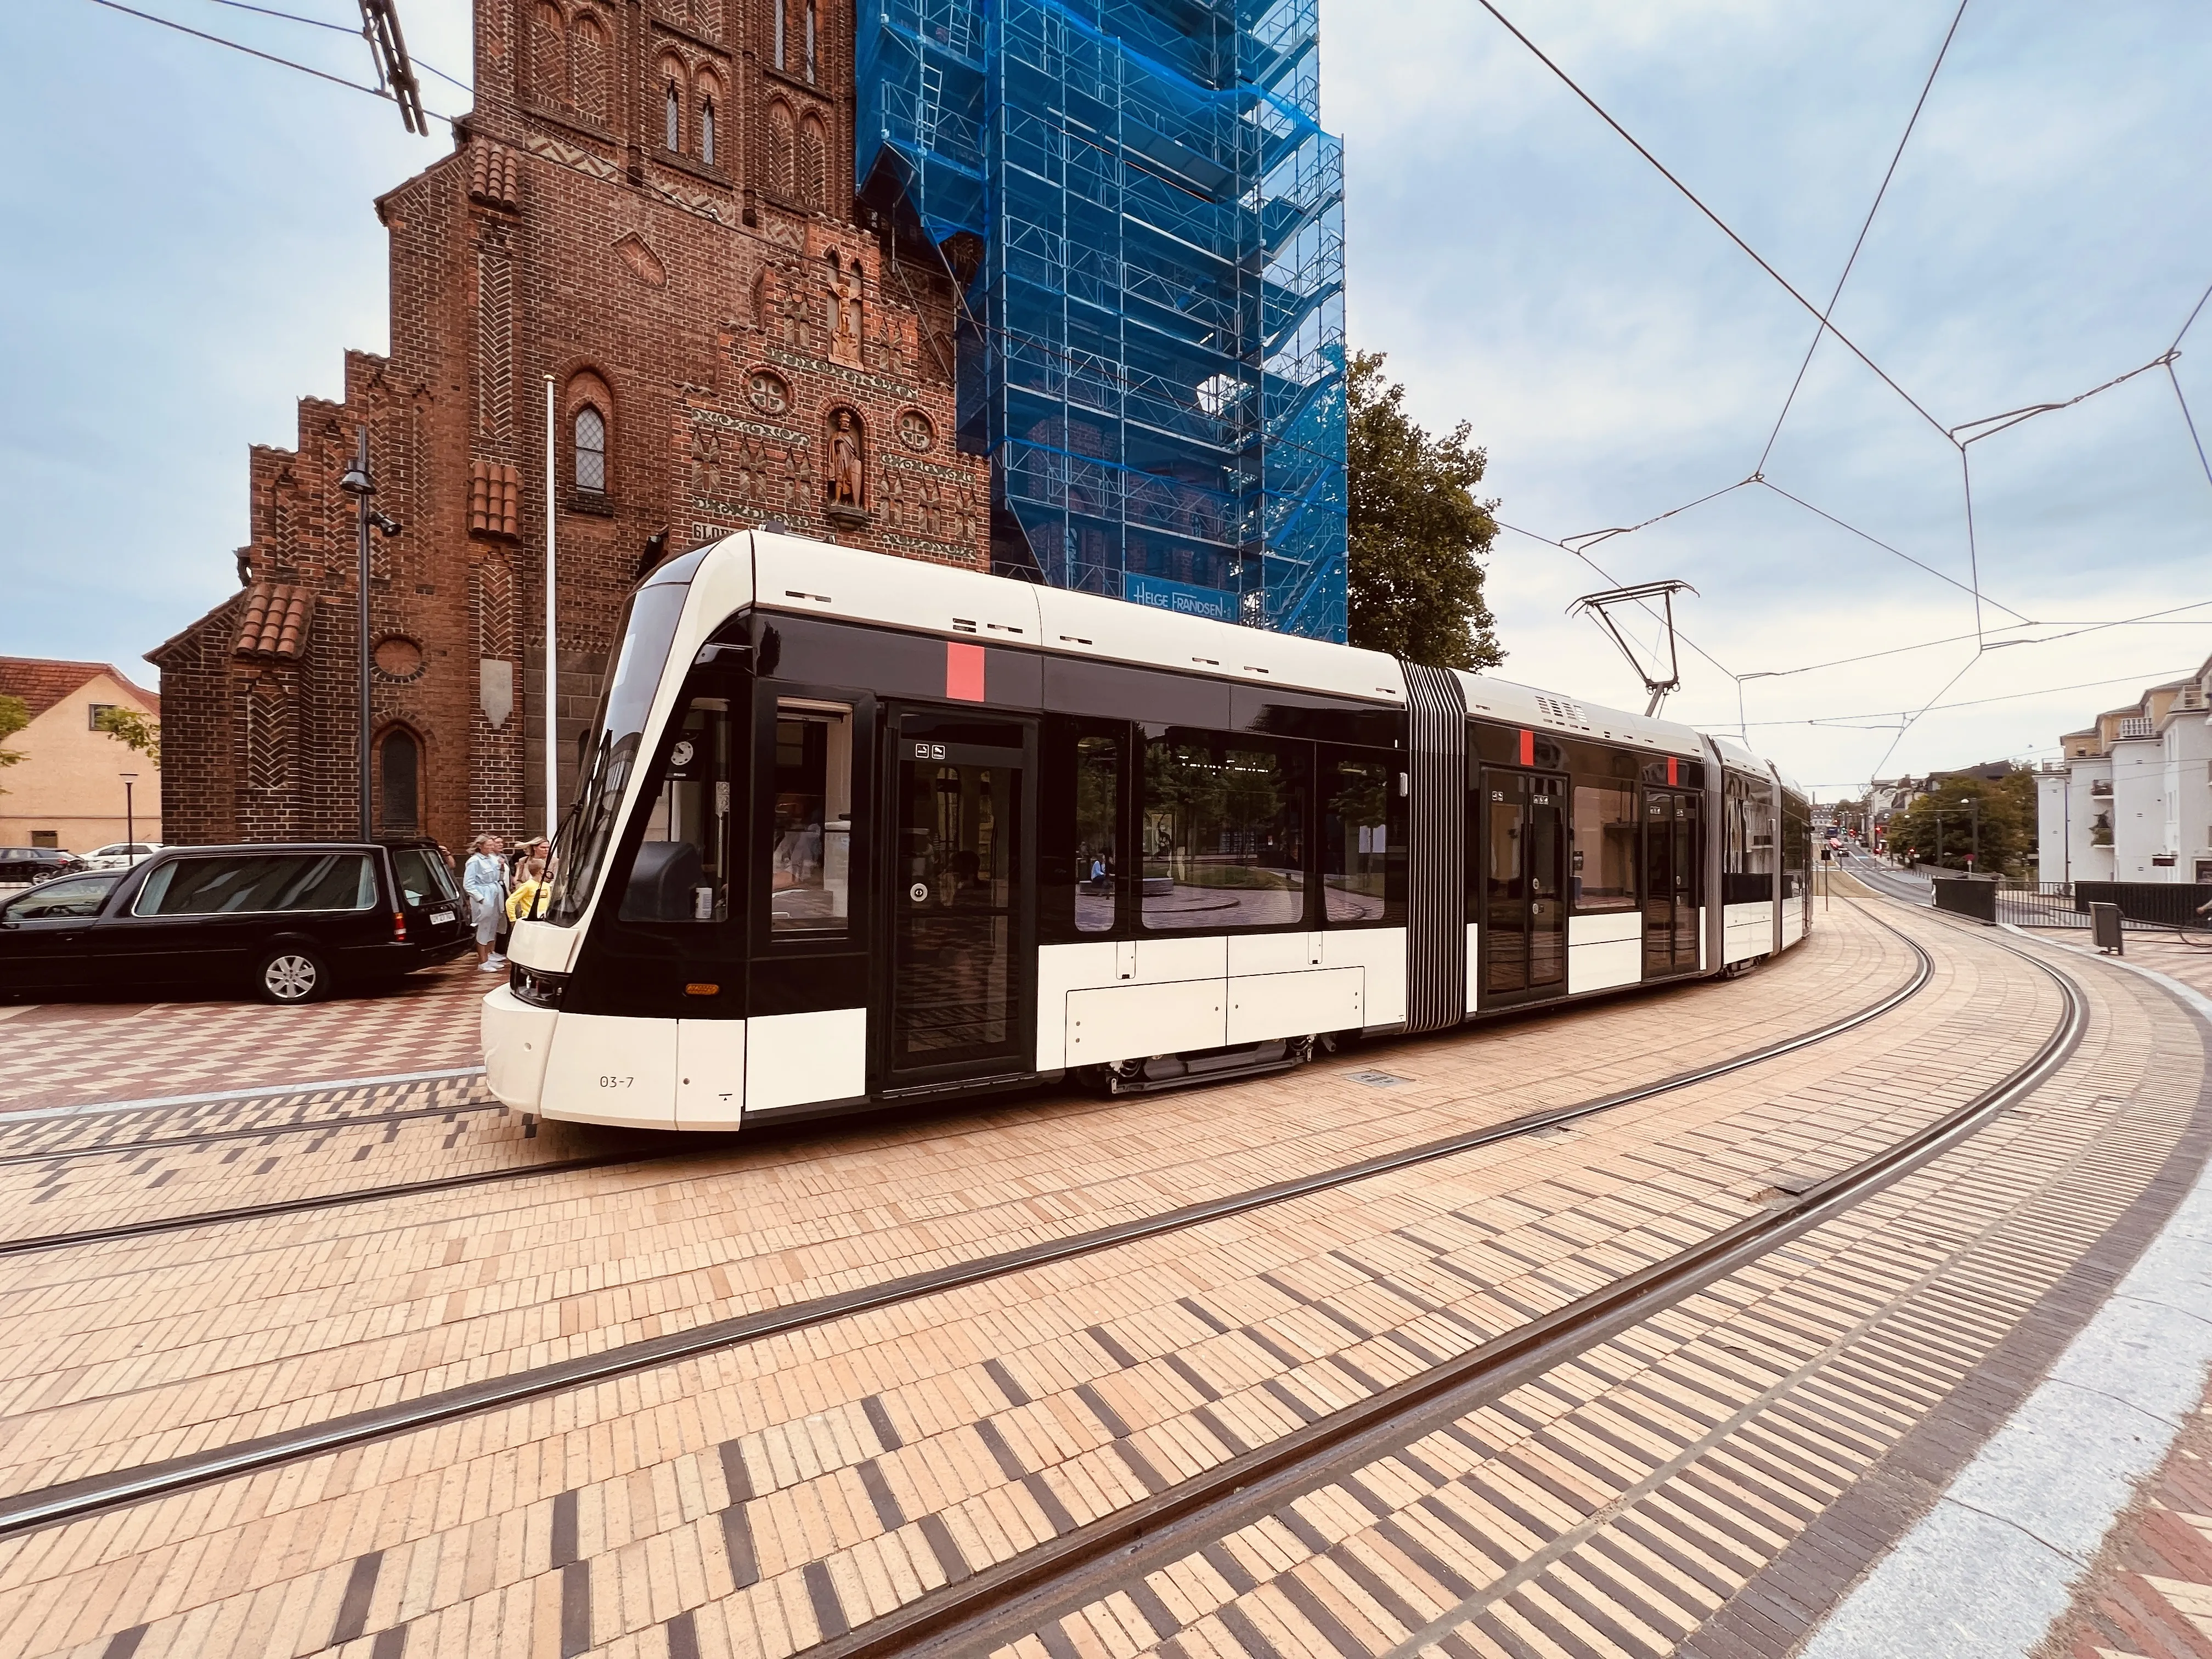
(2145, 906)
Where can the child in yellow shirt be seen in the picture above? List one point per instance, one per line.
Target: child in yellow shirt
(527, 901)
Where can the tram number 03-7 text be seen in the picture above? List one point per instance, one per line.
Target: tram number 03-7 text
(616, 1082)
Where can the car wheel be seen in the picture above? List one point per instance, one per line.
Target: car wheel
(291, 973)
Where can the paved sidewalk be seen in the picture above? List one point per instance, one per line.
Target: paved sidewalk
(68, 1054)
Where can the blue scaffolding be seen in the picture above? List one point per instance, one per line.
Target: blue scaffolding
(1148, 222)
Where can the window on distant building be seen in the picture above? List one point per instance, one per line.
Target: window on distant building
(93, 712)
(675, 135)
(591, 450)
(780, 62)
(707, 133)
(810, 39)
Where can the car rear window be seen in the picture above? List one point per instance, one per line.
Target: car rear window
(422, 876)
(259, 883)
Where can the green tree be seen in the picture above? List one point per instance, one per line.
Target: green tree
(135, 732)
(15, 715)
(1418, 532)
(2008, 823)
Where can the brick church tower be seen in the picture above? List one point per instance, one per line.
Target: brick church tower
(652, 204)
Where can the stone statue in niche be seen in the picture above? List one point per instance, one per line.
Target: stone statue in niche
(847, 481)
(843, 311)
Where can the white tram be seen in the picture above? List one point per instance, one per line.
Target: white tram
(854, 830)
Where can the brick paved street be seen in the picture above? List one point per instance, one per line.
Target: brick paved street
(69, 1053)
(1707, 1479)
(1702, 1481)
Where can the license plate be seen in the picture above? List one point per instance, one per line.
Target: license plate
(438, 918)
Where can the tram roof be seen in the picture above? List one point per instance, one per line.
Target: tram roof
(795, 574)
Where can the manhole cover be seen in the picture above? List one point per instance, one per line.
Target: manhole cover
(1377, 1079)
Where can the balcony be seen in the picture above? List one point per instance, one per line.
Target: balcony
(2101, 789)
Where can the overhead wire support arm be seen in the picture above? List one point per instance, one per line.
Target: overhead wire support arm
(395, 75)
(1597, 604)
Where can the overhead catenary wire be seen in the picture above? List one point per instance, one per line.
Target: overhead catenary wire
(338, 28)
(1720, 223)
(2155, 675)
(255, 51)
(1866, 225)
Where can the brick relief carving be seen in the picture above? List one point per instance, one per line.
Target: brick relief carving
(569, 156)
(642, 262)
(925, 503)
(549, 54)
(813, 164)
(495, 338)
(268, 738)
(496, 607)
(745, 471)
(588, 61)
(778, 174)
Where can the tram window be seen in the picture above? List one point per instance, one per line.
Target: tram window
(1748, 845)
(1097, 813)
(682, 871)
(1604, 873)
(1224, 828)
(810, 853)
(1363, 838)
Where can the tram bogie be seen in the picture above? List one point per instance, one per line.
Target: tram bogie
(854, 830)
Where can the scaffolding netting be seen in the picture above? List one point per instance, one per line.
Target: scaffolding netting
(1152, 348)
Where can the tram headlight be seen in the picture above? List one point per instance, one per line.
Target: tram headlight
(535, 986)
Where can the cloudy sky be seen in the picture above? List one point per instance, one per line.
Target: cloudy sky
(191, 248)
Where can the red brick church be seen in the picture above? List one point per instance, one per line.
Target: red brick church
(652, 203)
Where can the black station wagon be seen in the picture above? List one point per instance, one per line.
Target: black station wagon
(288, 919)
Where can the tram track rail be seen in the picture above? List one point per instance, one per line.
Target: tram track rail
(215, 1137)
(53, 1505)
(1027, 1591)
(309, 1203)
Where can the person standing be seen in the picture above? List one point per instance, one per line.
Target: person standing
(484, 880)
(527, 902)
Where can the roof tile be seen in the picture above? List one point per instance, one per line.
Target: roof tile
(275, 621)
(42, 682)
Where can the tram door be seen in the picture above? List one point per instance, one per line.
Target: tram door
(1524, 933)
(1672, 871)
(961, 910)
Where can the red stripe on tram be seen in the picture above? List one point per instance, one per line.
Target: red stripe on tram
(1672, 776)
(964, 671)
(1528, 749)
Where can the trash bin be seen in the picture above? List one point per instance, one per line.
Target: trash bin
(2105, 928)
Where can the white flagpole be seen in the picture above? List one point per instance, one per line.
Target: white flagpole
(552, 644)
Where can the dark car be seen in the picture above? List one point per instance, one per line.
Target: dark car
(35, 863)
(288, 919)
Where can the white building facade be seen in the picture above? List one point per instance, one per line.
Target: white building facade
(2132, 800)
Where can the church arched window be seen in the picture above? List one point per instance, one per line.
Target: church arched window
(675, 107)
(707, 133)
(781, 57)
(810, 39)
(591, 450)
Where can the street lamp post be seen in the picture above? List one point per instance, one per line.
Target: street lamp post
(359, 483)
(129, 822)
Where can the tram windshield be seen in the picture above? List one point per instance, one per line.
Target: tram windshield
(617, 742)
